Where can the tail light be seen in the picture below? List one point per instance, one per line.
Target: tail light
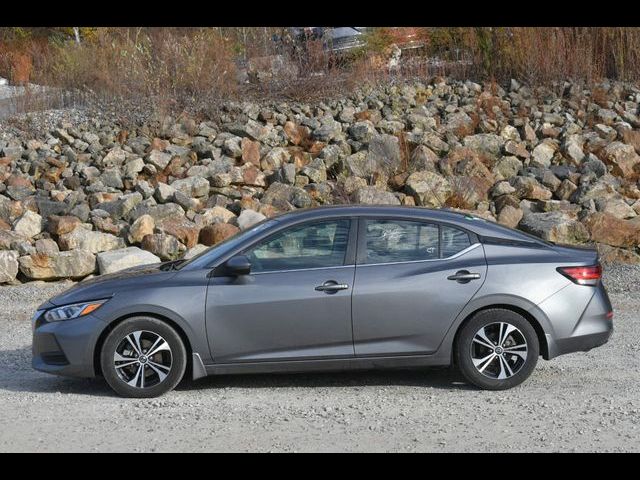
(589, 275)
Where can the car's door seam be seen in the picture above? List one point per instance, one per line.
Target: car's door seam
(353, 282)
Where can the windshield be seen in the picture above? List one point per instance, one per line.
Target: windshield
(206, 257)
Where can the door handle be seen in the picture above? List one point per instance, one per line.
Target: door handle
(331, 286)
(464, 276)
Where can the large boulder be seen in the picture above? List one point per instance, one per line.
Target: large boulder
(164, 193)
(613, 255)
(59, 225)
(9, 209)
(460, 124)
(554, 226)
(167, 247)
(28, 225)
(72, 264)
(214, 215)
(250, 151)
(8, 266)
(122, 206)
(542, 155)
(89, 240)
(158, 159)
(286, 197)
(572, 148)
(624, 160)
(248, 218)
(275, 158)
(510, 216)
(193, 187)
(530, 189)
(428, 188)
(610, 230)
(8, 238)
(375, 196)
(468, 191)
(487, 144)
(507, 167)
(180, 227)
(216, 233)
(384, 153)
(116, 260)
(615, 206)
(362, 131)
(140, 228)
(195, 251)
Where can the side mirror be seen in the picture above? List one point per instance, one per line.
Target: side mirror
(236, 266)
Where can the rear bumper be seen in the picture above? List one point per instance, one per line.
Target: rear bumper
(583, 343)
(593, 328)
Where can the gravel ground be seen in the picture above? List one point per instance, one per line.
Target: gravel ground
(579, 402)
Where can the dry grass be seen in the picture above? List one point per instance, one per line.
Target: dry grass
(173, 68)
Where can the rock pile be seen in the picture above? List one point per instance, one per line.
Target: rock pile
(92, 197)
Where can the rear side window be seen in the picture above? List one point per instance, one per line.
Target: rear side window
(400, 241)
(453, 241)
(389, 241)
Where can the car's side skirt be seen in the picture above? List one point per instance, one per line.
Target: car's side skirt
(365, 363)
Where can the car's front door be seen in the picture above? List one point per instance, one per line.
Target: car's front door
(294, 304)
(412, 280)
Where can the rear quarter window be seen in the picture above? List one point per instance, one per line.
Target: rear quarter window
(454, 241)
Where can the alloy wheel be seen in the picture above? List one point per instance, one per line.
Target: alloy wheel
(499, 350)
(143, 359)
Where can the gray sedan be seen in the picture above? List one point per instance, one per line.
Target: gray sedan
(334, 288)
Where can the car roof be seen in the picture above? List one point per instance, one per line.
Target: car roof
(466, 220)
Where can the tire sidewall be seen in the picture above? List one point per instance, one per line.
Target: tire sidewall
(463, 348)
(130, 325)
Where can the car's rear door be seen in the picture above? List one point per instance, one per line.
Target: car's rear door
(413, 277)
(296, 302)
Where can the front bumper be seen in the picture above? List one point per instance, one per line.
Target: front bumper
(66, 347)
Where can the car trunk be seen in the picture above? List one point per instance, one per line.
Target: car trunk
(578, 254)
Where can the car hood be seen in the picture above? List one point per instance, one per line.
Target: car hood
(105, 286)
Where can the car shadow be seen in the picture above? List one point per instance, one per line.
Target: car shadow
(17, 375)
(438, 378)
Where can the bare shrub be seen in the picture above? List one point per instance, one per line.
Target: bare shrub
(172, 69)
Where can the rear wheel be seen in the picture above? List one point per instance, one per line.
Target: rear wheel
(497, 349)
(143, 357)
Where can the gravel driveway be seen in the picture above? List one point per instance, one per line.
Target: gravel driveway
(580, 402)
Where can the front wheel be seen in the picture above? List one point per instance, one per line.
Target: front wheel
(143, 357)
(497, 349)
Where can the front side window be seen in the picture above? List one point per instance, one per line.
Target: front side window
(312, 245)
(400, 241)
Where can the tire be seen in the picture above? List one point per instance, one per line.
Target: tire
(124, 352)
(497, 367)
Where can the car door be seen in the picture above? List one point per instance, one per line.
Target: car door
(412, 279)
(294, 304)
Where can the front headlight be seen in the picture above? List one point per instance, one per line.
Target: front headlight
(75, 310)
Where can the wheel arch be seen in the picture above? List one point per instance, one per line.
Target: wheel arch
(535, 323)
(172, 323)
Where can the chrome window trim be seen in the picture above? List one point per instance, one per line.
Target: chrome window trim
(459, 254)
(351, 265)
